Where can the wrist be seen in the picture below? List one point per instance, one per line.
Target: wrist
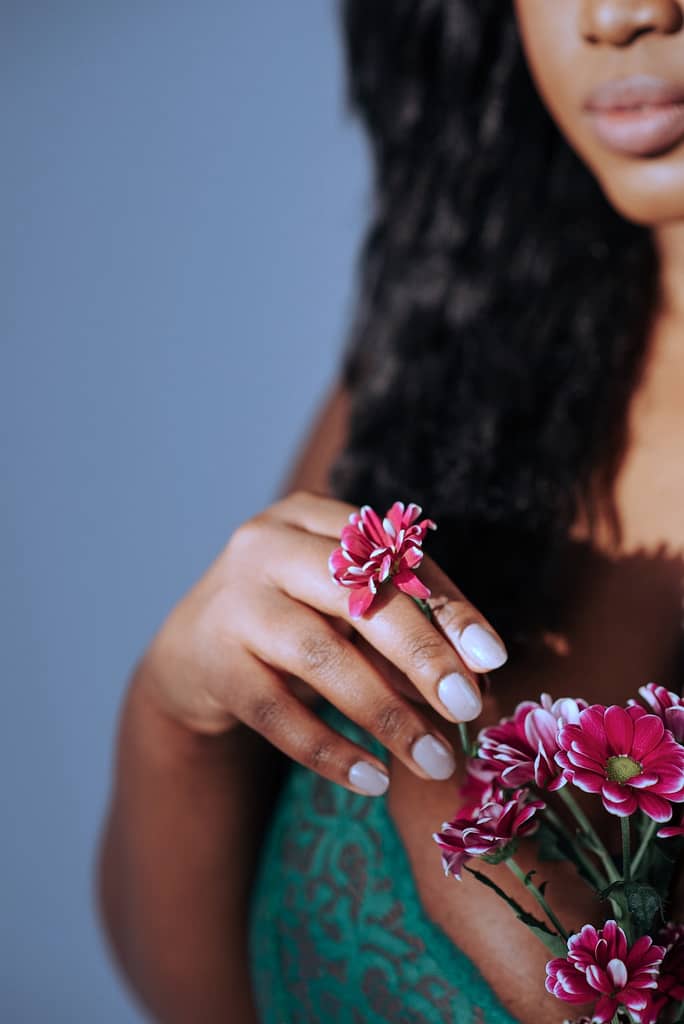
(165, 738)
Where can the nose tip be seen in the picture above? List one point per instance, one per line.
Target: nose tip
(618, 22)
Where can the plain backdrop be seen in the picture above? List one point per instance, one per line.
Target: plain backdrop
(182, 200)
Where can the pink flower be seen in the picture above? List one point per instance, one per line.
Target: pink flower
(600, 963)
(671, 976)
(667, 705)
(486, 829)
(521, 750)
(627, 756)
(671, 979)
(374, 550)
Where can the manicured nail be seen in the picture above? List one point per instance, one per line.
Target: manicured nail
(433, 757)
(459, 697)
(367, 778)
(482, 647)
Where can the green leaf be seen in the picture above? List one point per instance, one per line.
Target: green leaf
(552, 941)
(643, 903)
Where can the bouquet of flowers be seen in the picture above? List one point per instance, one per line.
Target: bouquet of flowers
(521, 775)
(520, 782)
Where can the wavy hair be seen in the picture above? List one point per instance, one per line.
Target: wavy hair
(503, 306)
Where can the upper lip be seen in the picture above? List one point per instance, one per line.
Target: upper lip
(632, 92)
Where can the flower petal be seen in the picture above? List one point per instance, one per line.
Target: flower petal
(360, 601)
(648, 732)
(619, 729)
(409, 583)
(657, 808)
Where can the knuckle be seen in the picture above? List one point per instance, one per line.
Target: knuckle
(321, 652)
(266, 714)
(424, 648)
(319, 754)
(247, 537)
(389, 721)
(450, 614)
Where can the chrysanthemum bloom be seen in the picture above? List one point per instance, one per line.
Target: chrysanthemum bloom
(667, 705)
(374, 550)
(671, 977)
(627, 756)
(521, 750)
(670, 988)
(489, 828)
(600, 963)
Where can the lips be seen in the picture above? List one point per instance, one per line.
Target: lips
(639, 116)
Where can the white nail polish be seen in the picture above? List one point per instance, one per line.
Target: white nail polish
(366, 777)
(459, 697)
(433, 757)
(481, 647)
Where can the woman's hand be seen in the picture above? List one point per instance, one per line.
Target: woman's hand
(268, 610)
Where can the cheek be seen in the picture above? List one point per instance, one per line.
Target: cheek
(646, 190)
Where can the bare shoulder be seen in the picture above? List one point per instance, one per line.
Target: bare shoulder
(324, 440)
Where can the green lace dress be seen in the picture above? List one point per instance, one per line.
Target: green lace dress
(338, 933)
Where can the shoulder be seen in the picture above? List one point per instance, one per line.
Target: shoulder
(323, 441)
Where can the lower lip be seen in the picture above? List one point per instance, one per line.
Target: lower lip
(641, 131)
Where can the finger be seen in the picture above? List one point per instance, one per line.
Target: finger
(394, 625)
(300, 641)
(271, 710)
(474, 637)
(477, 641)
(313, 513)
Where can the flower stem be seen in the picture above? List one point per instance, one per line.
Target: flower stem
(465, 739)
(538, 895)
(643, 845)
(626, 849)
(424, 607)
(598, 879)
(588, 829)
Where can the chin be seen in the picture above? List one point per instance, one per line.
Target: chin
(649, 194)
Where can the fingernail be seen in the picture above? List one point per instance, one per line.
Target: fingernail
(433, 757)
(459, 697)
(482, 647)
(366, 777)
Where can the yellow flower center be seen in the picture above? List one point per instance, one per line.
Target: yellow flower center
(622, 768)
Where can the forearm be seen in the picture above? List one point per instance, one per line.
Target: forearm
(176, 862)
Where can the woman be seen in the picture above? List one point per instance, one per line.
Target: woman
(516, 367)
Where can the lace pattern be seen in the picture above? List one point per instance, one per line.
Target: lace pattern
(337, 929)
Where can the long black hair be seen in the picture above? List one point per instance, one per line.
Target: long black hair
(503, 307)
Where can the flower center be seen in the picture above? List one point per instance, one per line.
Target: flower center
(622, 768)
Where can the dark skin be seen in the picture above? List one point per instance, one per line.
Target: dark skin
(623, 620)
(193, 783)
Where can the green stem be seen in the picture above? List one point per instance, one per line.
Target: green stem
(424, 607)
(626, 849)
(465, 739)
(643, 845)
(538, 895)
(568, 799)
(598, 879)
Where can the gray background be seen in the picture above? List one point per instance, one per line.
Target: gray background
(182, 199)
